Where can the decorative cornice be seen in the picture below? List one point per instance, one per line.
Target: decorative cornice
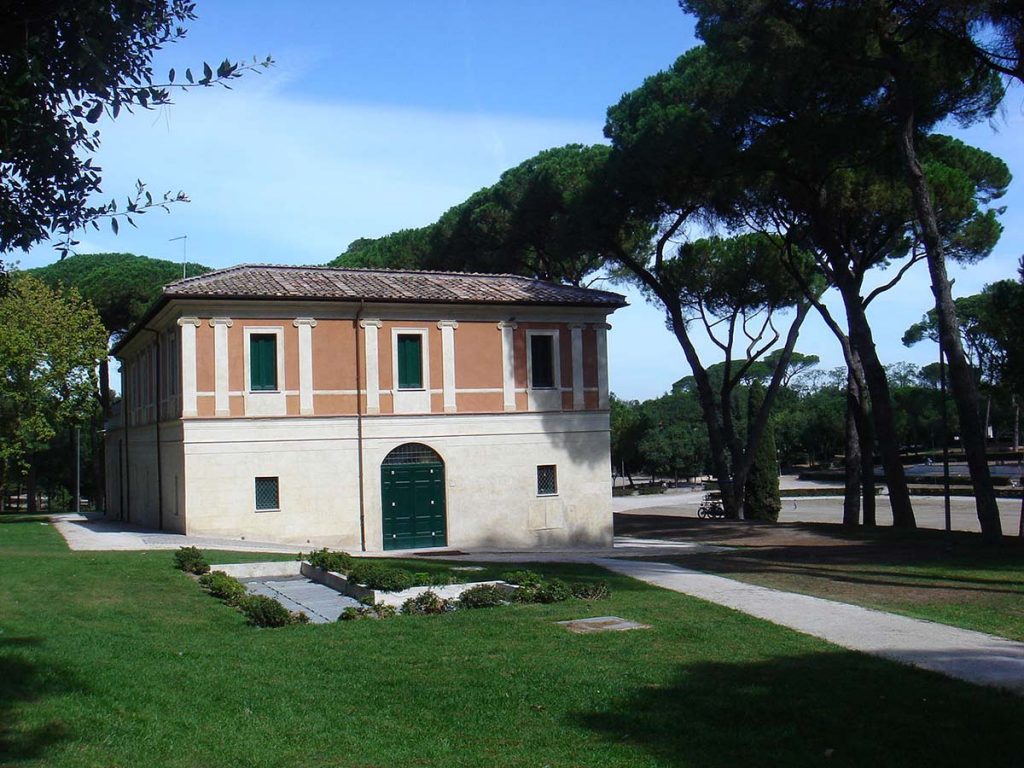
(370, 324)
(577, 326)
(507, 324)
(221, 321)
(447, 324)
(189, 321)
(601, 326)
(304, 321)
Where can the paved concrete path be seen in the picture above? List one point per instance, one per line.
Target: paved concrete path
(961, 653)
(929, 510)
(94, 533)
(322, 604)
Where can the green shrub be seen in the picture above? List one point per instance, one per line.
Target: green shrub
(441, 579)
(373, 611)
(376, 576)
(191, 560)
(483, 596)
(426, 603)
(223, 587)
(263, 611)
(590, 590)
(522, 578)
(364, 572)
(338, 562)
(554, 591)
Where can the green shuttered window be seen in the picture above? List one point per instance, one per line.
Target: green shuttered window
(410, 361)
(542, 362)
(262, 362)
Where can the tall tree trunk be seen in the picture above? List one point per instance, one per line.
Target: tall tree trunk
(30, 484)
(867, 465)
(104, 387)
(851, 496)
(1016, 424)
(99, 470)
(863, 343)
(965, 393)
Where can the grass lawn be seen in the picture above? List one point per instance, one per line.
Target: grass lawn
(116, 659)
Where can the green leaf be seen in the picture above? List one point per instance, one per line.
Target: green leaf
(170, 75)
(113, 225)
(188, 76)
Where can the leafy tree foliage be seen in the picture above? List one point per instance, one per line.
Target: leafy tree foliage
(64, 65)
(121, 286)
(982, 329)
(50, 344)
(802, 107)
(628, 425)
(546, 218)
(404, 249)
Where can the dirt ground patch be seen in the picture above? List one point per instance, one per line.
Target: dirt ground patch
(956, 580)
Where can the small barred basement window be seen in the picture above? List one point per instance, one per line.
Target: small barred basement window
(547, 480)
(267, 493)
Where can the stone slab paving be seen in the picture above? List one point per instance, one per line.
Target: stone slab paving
(95, 534)
(322, 604)
(960, 653)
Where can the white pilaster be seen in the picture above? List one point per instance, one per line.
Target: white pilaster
(220, 327)
(305, 326)
(370, 328)
(448, 363)
(601, 331)
(188, 366)
(508, 364)
(577, 366)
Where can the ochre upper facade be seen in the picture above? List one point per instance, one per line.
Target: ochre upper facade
(267, 356)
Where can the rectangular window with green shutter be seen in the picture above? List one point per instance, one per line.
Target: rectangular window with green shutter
(542, 361)
(263, 362)
(410, 361)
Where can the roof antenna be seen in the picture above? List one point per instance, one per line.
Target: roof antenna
(184, 251)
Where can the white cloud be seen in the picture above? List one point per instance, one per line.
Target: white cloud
(274, 178)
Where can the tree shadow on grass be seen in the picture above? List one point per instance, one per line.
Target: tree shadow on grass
(740, 564)
(24, 681)
(836, 709)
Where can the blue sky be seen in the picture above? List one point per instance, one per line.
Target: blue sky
(380, 116)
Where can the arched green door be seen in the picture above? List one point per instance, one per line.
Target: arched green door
(412, 498)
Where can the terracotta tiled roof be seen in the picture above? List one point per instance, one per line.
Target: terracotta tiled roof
(257, 281)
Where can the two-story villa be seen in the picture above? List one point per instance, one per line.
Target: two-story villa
(366, 409)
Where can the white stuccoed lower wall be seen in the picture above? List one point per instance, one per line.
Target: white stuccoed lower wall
(490, 470)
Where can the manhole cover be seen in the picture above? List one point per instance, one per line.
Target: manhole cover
(601, 624)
